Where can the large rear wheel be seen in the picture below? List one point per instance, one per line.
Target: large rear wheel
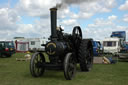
(36, 64)
(86, 55)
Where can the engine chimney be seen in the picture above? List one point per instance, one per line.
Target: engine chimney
(53, 23)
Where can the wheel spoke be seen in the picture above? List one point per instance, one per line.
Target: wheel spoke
(71, 70)
(35, 61)
(71, 67)
(36, 58)
(38, 72)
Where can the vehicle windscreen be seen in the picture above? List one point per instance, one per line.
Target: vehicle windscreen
(109, 43)
(1, 44)
(99, 44)
(9, 44)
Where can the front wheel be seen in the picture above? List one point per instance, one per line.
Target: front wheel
(36, 64)
(69, 66)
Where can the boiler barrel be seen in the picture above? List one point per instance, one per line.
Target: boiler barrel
(56, 48)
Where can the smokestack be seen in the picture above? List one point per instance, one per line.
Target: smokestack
(53, 23)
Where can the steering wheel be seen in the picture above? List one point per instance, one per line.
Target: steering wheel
(77, 35)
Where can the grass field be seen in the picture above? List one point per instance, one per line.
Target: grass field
(14, 72)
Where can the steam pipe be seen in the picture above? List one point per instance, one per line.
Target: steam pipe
(53, 12)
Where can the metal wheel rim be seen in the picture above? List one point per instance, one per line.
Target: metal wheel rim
(71, 67)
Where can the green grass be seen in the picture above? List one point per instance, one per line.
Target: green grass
(14, 72)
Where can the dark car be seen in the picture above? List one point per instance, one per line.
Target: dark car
(7, 48)
(97, 48)
(100, 47)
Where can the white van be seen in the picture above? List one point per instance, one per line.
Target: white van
(112, 45)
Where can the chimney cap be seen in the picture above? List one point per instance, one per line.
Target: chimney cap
(53, 9)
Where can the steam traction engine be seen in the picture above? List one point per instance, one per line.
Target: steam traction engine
(64, 52)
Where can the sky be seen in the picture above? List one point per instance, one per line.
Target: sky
(31, 18)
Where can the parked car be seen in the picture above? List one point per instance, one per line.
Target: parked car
(95, 48)
(7, 48)
(100, 47)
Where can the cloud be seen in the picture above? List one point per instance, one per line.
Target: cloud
(98, 6)
(113, 17)
(69, 22)
(101, 23)
(41, 28)
(9, 26)
(124, 6)
(102, 28)
(8, 18)
(89, 9)
(40, 8)
(85, 15)
(125, 18)
(62, 13)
